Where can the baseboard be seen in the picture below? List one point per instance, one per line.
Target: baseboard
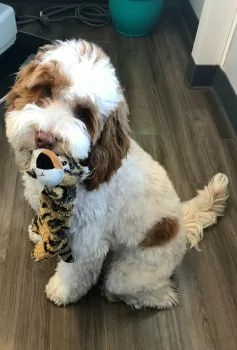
(200, 75)
(189, 18)
(197, 75)
(226, 94)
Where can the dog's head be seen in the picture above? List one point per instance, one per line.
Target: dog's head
(68, 99)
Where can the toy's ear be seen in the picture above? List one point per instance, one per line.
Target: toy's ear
(47, 160)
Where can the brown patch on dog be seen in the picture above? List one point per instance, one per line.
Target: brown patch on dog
(36, 83)
(162, 232)
(112, 146)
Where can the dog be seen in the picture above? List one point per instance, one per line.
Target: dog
(68, 99)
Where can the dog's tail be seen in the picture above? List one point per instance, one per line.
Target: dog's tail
(202, 211)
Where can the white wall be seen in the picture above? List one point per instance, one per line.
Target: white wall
(230, 64)
(215, 25)
(197, 6)
(216, 39)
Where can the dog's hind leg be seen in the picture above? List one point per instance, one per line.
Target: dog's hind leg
(142, 277)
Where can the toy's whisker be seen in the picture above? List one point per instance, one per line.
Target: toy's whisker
(92, 173)
(90, 177)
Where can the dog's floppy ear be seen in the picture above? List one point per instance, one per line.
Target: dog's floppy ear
(107, 154)
(34, 74)
(43, 75)
(31, 82)
(19, 87)
(34, 83)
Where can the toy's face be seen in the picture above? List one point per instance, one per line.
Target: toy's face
(51, 169)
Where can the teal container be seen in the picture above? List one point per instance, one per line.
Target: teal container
(135, 17)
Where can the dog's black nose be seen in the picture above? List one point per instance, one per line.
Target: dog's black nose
(45, 140)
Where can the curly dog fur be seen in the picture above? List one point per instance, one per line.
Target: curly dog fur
(128, 206)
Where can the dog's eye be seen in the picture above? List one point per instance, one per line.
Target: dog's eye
(87, 117)
(82, 113)
(47, 91)
(64, 163)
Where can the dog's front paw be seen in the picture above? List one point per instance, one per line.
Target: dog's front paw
(62, 292)
(34, 237)
(57, 291)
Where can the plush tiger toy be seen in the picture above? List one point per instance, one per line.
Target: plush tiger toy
(56, 203)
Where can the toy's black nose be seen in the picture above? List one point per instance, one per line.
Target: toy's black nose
(44, 162)
(45, 140)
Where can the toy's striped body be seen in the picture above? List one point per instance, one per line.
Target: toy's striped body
(53, 223)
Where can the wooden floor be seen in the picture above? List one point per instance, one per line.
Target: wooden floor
(187, 132)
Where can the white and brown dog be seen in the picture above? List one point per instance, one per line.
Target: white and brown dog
(69, 99)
